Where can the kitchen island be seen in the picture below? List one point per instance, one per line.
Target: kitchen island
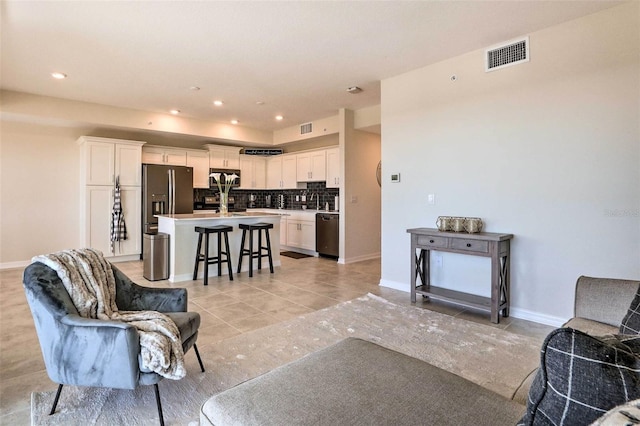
(183, 240)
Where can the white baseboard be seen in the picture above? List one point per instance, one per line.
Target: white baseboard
(355, 259)
(127, 258)
(396, 285)
(514, 312)
(537, 317)
(15, 265)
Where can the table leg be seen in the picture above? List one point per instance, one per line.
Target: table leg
(505, 285)
(495, 287)
(413, 269)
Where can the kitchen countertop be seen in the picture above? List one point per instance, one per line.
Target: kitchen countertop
(202, 214)
(285, 211)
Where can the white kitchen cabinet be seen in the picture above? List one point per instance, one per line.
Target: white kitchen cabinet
(199, 160)
(98, 209)
(164, 155)
(253, 172)
(311, 166)
(283, 230)
(301, 233)
(289, 171)
(99, 163)
(102, 161)
(224, 157)
(274, 172)
(333, 168)
(281, 172)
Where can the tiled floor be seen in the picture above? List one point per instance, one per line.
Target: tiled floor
(228, 308)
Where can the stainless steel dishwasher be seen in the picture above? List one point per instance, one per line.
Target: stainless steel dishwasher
(328, 234)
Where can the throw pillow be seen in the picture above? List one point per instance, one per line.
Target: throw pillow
(581, 377)
(631, 322)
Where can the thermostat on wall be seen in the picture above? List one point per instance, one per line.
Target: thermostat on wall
(395, 177)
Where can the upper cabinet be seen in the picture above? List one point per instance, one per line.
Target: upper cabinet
(164, 155)
(105, 159)
(281, 172)
(311, 166)
(224, 157)
(253, 172)
(333, 168)
(199, 160)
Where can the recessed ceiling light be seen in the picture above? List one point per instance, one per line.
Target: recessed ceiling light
(260, 103)
(279, 117)
(58, 75)
(175, 111)
(194, 88)
(234, 121)
(354, 89)
(218, 103)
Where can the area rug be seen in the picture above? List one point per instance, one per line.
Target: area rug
(294, 254)
(491, 357)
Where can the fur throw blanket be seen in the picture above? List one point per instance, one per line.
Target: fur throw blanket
(90, 282)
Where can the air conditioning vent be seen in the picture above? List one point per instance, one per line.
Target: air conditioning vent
(306, 128)
(510, 53)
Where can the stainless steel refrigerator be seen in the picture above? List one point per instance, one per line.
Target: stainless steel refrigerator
(165, 190)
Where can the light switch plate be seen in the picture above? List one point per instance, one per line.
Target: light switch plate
(395, 177)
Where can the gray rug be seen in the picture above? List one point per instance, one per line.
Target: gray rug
(493, 358)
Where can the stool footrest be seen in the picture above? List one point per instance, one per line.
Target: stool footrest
(223, 256)
(261, 251)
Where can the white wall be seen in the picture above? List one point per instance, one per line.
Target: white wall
(39, 190)
(548, 150)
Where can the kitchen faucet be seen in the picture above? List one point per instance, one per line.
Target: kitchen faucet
(315, 194)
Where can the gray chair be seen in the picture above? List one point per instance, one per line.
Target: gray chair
(90, 352)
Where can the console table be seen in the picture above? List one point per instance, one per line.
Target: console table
(487, 244)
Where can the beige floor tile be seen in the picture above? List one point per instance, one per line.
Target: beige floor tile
(254, 322)
(290, 312)
(235, 312)
(215, 333)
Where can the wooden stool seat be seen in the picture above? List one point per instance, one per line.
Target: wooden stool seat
(218, 259)
(262, 251)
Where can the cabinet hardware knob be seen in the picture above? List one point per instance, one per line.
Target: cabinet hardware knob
(431, 241)
(468, 244)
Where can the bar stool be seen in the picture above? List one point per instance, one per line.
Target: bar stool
(213, 260)
(261, 250)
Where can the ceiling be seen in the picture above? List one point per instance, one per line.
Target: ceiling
(296, 58)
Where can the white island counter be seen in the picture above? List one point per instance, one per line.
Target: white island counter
(183, 240)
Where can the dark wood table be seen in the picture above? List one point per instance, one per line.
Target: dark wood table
(488, 244)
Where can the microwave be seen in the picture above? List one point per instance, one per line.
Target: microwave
(223, 174)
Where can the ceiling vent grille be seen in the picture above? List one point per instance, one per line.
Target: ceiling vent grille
(511, 53)
(306, 128)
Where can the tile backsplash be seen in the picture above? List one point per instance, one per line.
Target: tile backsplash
(293, 197)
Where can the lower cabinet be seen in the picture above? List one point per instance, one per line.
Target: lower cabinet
(98, 216)
(297, 228)
(283, 230)
(301, 233)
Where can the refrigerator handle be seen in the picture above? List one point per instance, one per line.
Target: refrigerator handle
(173, 190)
(169, 192)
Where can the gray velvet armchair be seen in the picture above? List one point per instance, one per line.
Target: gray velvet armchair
(97, 353)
